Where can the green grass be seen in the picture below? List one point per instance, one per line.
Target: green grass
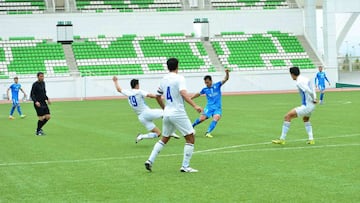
(89, 154)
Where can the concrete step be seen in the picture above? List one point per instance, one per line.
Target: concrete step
(213, 56)
(70, 60)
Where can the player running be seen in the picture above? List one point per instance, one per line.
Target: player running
(136, 98)
(213, 106)
(173, 87)
(308, 98)
(15, 87)
(320, 82)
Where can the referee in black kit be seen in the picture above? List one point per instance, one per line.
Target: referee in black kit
(41, 101)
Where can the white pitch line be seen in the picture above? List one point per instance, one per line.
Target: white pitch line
(283, 148)
(208, 151)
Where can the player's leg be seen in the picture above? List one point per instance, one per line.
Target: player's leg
(216, 118)
(184, 126)
(168, 129)
(19, 111)
(43, 113)
(147, 120)
(322, 92)
(308, 129)
(14, 104)
(286, 125)
(202, 117)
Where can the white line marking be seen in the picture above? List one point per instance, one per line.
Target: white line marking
(208, 151)
(283, 148)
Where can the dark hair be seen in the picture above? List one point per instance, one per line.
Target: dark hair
(16, 77)
(172, 64)
(39, 73)
(134, 82)
(295, 71)
(207, 77)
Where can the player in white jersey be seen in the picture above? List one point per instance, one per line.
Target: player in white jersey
(173, 87)
(308, 101)
(146, 115)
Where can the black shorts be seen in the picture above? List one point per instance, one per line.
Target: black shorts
(42, 110)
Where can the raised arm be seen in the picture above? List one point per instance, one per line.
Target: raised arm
(186, 97)
(151, 95)
(226, 76)
(116, 83)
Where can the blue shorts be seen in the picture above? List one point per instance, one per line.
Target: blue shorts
(321, 88)
(210, 112)
(15, 102)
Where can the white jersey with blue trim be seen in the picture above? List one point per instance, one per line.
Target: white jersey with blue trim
(306, 90)
(170, 87)
(136, 99)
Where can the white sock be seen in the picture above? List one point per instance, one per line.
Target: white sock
(150, 135)
(156, 150)
(308, 128)
(285, 129)
(188, 151)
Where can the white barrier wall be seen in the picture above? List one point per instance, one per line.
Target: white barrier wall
(151, 23)
(89, 87)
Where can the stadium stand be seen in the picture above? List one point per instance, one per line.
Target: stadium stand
(131, 54)
(248, 4)
(25, 56)
(271, 50)
(22, 6)
(127, 5)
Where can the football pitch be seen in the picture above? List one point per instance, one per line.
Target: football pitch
(89, 154)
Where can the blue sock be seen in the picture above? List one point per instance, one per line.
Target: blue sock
(19, 110)
(196, 122)
(321, 96)
(12, 110)
(212, 126)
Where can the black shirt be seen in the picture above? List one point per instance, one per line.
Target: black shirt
(38, 92)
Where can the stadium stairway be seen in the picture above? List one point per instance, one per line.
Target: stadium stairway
(213, 56)
(309, 50)
(70, 60)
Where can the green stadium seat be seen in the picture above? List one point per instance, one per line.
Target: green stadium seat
(248, 4)
(271, 50)
(22, 6)
(131, 54)
(25, 56)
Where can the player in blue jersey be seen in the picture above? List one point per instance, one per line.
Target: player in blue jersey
(320, 82)
(213, 106)
(308, 101)
(15, 87)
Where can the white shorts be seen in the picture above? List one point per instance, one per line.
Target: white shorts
(147, 117)
(303, 110)
(181, 123)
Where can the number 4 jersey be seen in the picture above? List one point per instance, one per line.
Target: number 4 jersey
(136, 98)
(170, 87)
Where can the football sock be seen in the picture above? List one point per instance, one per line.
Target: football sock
(188, 151)
(321, 96)
(156, 150)
(41, 124)
(196, 122)
(308, 128)
(285, 129)
(19, 110)
(150, 135)
(12, 110)
(212, 126)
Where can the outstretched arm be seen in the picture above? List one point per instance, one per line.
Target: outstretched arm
(226, 76)
(195, 96)
(151, 95)
(186, 97)
(116, 83)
